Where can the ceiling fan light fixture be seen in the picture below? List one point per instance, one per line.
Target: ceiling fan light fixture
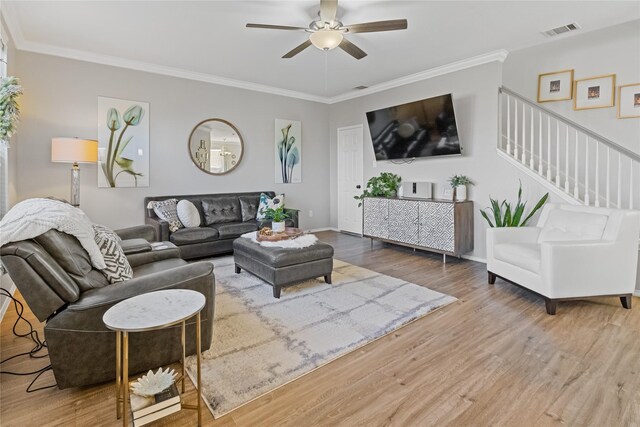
(326, 39)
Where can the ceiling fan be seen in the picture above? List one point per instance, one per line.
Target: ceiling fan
(327, 32)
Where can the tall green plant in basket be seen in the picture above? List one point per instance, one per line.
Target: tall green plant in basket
(504, 215)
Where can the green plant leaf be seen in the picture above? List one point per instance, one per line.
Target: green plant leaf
(538, 205)
(497, 214)
(518, 214)
(484, 214)
(507, 214)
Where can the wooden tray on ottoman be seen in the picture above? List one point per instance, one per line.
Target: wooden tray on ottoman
(288, 234)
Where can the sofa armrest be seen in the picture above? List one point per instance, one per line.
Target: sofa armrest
(161, 228)
(513, 234)
(154, 255)
(146, 232)
(183, 277)
(86, 313)
(586, 268)
(498, 235)
(294, 215)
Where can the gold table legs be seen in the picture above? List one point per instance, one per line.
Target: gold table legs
(122, 372)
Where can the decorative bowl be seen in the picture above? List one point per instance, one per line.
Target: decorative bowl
(153, 382)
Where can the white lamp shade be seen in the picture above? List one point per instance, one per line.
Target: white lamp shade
(326, 39)
(74, 150)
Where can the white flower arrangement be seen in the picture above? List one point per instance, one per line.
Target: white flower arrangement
(10, 90)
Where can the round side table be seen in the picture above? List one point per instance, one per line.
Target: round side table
(149, 312)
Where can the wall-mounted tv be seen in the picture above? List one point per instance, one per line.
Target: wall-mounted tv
(423, 128)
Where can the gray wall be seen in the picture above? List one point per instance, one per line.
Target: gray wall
(60, 99)
(613, 50)
(476, 106)
(12, 166)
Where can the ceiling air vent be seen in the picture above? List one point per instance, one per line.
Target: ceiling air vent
(361, 87)
(561, 30)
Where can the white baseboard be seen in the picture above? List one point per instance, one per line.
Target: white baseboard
(637, 293)
(317, 230)
(475, 258)
(6, 283)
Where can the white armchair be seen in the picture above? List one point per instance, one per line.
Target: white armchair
(574, 252)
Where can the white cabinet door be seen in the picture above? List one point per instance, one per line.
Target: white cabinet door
(437, 226)
(376, 218)
(403, 221)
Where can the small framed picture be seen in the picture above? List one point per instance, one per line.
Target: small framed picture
(594, 92)
(556, 86)
(629, 101)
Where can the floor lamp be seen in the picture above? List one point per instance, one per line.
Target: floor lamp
(74, 150)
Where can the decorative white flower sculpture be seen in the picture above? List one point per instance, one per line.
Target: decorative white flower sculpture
(153, 382)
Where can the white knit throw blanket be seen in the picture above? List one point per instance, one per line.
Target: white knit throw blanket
(299, 242)
(33, 217)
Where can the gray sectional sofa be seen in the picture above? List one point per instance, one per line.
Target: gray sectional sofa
(223, 218)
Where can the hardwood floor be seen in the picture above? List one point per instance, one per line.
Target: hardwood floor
(492, 358)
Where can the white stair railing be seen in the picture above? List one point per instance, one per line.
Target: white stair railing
(586, 167)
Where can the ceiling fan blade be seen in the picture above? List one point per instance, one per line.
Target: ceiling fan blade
(373, 27)
(297, 49)
(275, 27)
(328, 10)
(352, 49)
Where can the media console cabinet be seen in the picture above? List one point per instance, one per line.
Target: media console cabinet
(434, 225)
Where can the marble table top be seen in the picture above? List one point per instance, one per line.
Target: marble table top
(153, 310)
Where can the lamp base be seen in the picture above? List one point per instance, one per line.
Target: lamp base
(75, 185)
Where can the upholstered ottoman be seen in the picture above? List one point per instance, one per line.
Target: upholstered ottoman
(282, 267)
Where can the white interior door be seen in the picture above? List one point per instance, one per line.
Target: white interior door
(350, 178)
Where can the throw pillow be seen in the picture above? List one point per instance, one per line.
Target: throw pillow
(249, 207)
(188, 214)
(267, 202)
(167, 210)
(118, 268)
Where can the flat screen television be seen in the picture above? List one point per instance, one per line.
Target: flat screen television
(423, 128)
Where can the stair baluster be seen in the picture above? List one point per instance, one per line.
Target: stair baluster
(576, 189)
(620, 173)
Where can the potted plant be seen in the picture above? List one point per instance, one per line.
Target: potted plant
(277, 217)
(506, 216)
(385, 185)
(10, 90)
(459, 184)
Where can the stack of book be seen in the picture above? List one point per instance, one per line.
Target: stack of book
(147, 409)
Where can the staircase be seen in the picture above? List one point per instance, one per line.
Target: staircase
(577, 164)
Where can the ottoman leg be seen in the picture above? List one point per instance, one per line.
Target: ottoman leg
(238, 269)
(276, 291)
(327, 278)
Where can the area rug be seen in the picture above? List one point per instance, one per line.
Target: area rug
(261, 343)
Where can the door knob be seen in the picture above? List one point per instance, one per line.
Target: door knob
(358, 186)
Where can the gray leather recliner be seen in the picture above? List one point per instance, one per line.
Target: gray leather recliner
(55, 276)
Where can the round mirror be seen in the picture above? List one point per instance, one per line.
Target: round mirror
(215, 146)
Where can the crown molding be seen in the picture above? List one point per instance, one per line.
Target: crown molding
(163, 70)
(497, 55)
(20, 43)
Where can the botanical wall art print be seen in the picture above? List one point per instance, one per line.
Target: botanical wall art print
(555, 86)
(123, 143)
(629, 101)
(594, 92)
(288, 146)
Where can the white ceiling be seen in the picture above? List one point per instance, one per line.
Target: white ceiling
(208, 40)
